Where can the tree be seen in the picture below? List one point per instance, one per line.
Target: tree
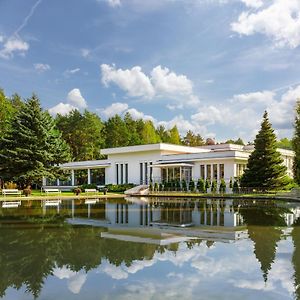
(148, 133)
(174, 137)
(239, 141)
(265, 169)
(6, 113)
(201, 185)
(214, 186)
(296, 144)
(132, 128)
(222, 187)
(116, 132)
(190, 139)
(33, 147)
(83, 133)
(162, 133)
(285, 143)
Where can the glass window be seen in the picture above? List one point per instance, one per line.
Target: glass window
(117, 173)
(202, 175)
(122, 173)
(151, 170)
(98, 176)
(221, 171)
(208, 172)
(141, 173)
(215, 171)
(126, 173)
(146, 173)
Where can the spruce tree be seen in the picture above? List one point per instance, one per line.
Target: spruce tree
(33, 147)
(296, 144)
(265, 169)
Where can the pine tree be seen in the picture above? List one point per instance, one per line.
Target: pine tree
(296, 144)
(265, 169)
(33, 147)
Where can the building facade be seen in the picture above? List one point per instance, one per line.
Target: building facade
(162, 162)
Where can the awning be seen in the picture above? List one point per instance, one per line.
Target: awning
(167, 165)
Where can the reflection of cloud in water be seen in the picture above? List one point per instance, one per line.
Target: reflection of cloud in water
(219, 269)
(75, 279)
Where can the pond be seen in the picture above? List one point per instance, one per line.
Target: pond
(138, 248)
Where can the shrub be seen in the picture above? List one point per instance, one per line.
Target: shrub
(183, 185)
(27, 191)
(214, 186)
(161, 187)
(151, 187)
(235, 187)
(222, 187)
(10, 185)
(77, 190)
(207, 185)
(178, 185)
(156, 187)
(119, 188)
(201, 185)
(230, 183)
(88, 186)
(192, 186)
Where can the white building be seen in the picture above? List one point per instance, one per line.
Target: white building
(162, 162)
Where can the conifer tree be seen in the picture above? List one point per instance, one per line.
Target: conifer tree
(265, 169)
(33, 147)
(296, 144)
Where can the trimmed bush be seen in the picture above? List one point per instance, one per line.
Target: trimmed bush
(207, 185)
(119, 188)
(184, 186)
(222, 187)
(236, 187)
(214, 186)
(192, 186)
(201, 185)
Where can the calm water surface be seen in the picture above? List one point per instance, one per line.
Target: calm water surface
(140, 249)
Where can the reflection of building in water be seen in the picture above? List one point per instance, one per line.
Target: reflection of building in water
(290, 218)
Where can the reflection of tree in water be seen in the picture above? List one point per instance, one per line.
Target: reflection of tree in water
(28, 255)
(296, 258)
(263, 222)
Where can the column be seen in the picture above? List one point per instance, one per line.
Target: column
(205, 172)
(57, 182)
(218, 173)
(89, 175)
(73, 177)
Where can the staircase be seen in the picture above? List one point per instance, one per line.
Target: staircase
(138, 190)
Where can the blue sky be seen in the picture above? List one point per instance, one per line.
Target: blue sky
(212, 66)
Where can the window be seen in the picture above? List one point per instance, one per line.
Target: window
(221, 166)
(122, 175)
(208, 172)
(151, 171)
(202, 175)
(126, 173)
(215, 171)
(146, 173)
(141, 173)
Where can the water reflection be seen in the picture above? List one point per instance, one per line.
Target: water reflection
(140, 249)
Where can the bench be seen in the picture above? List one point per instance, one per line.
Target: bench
(11, 192)
(90, 191)
(52, 202)
(11, 204)
(52, 191)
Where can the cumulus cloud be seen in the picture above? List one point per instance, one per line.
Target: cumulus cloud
(61, 108)
(161, 83)
(74, 101)
(42, 67)
(114, 3)
(13, 45)
(280, 21)
(114, 108)
(75, 98)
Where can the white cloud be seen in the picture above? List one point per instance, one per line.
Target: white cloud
(14, 45)
(75, 98)
(68, 73)
(162, 83)
(61, 108)
(114, 108)
(280, 21)
(1, 38)
(140, 115)
(42, 67)
(133, 81)
(85, 52)
(253, 3)
(114, 3)
(264, 97)
(74, 101)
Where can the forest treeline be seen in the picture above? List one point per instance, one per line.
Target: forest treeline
(86, 133)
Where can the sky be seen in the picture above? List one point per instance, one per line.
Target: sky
(210, 66)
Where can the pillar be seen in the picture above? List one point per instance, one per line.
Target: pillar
(89, 175)
(73, 177)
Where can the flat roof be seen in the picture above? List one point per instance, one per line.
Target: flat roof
(86, 164)
(153, 147)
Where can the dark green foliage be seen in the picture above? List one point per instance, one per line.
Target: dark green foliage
(285, 143)
(222, 187)
(151, 187)
(178, 185)
(214, 186)
(119, 187)
(156, 187)
(192, 186)
(33, 147)
(236, 187)
(161, 187)
(193, 140)
(207, 184)
(265, 169)
(201, 185)
(239, 141)
(184, 185)
(230, 183)
(296, 144)
(88, 186)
